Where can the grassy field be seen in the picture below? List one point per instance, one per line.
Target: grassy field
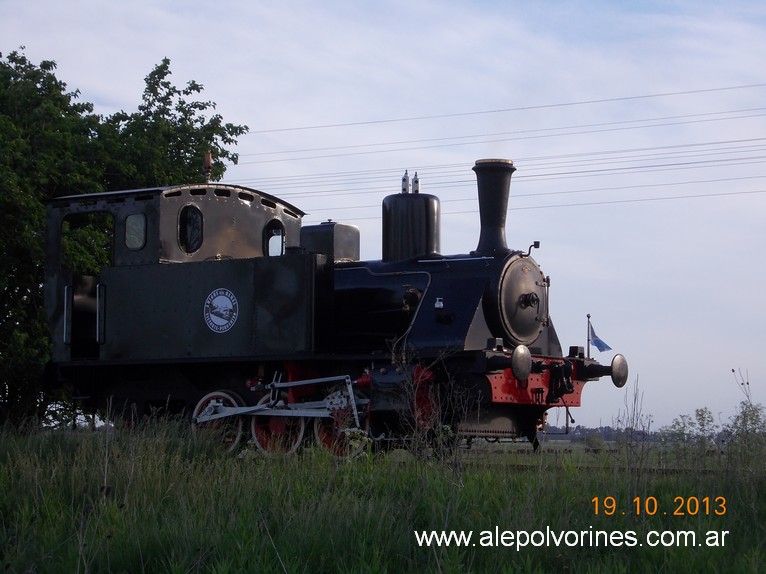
(152, 499)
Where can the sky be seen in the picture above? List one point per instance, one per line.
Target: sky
(638, 130)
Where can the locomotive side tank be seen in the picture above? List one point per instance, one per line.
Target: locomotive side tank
(216, 300)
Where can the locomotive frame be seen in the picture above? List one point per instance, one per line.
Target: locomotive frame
(214, 289)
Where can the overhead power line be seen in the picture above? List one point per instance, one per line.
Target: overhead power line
(357, 149)
(601, 202)
(506, 110)
(533, 168)
(567, 192)
(456, 183)
(671, 120)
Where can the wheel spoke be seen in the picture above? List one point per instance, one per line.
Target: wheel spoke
(277, 434)
(228, 430)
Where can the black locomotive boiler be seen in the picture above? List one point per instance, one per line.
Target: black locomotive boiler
(217, 301)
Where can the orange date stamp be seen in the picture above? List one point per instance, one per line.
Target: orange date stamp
(650, 506)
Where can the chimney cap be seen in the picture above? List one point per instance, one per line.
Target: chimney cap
(494, 160)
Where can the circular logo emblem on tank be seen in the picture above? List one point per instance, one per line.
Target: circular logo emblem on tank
(221, 310)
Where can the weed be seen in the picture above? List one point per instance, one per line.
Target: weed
(149, 498)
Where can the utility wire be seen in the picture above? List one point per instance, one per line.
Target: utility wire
(514, 109)
(603, 202)
(584, 164)
(318, 182)
(486, 141)
(701, 118)
(536, 169)
(565, 192)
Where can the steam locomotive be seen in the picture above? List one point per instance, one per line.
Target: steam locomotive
(218, 302)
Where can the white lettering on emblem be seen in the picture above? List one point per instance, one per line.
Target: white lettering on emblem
(221, 310)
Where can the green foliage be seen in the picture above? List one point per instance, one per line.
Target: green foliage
(85, 242)
(165, 140)
(696, 433)
(45, 135)
(697, 440)
(52, 145)
(595, 442)
(749, 423)
(746, 437)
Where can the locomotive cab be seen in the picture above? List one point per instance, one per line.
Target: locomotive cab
(224, 222)
(143, 234)
(178, 224)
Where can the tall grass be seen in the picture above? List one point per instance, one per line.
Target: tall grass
(151, 499)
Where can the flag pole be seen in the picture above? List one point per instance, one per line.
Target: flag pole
(587, 355)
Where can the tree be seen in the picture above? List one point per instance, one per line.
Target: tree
(53, 144)
(165, 140)
(706, 429)
(687, 432)
(44, 133)
(748, 425)
(681, 430)
(746, 430)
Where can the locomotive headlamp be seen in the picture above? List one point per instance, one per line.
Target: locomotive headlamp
(521, 362)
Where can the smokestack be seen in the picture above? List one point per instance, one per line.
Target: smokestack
(493, 178)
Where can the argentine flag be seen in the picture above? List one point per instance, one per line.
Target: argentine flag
(598, 343)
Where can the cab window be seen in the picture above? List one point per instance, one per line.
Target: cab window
(190, 228)
(86, 242)
(274, 239)
(135, 231)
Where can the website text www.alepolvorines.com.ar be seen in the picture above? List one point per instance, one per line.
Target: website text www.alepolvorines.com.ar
(521, 539)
